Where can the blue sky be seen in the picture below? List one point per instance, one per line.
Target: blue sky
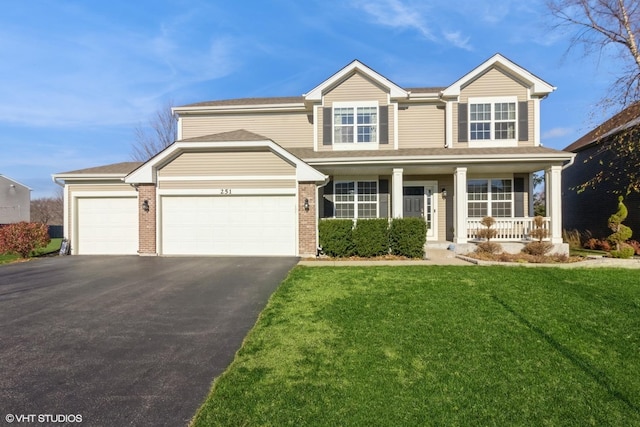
(79, 76)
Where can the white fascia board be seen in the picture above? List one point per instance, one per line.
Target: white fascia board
(146, 173)
(395, 91)
(90, 176)
(538, 86)
(299, 106)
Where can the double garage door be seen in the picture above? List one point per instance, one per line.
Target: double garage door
(202, 225)
(228, 225)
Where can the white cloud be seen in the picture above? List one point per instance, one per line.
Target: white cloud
(414, 16)
(104, 73)
(557, 133)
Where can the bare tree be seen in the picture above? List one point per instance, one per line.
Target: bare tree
(610, 28)
(599, 25)
(48, 210)
(160, 132)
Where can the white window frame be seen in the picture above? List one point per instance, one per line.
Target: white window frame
(489, 201)
(355, 201)
(492, 141)
(355, 145)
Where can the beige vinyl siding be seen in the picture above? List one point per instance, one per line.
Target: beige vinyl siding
(494, 83)
(420, 126)
(290, 129)
(227, 184)
(227, 164)
(357, 88)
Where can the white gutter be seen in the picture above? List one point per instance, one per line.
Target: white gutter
(434, 159)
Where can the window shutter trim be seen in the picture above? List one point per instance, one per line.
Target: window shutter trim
(327, 126)
(523, 121)
(463, 122)
(384, 124)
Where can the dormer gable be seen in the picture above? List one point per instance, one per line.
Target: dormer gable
(315, 95)
(537, 87)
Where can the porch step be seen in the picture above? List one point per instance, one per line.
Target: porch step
(441, 244)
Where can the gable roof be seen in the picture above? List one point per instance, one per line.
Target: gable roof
(626, 118)
(395, 91)
(240, 139)
(538, 86)
(122, 168)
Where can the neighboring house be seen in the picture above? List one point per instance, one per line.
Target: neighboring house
(589, 210)
(253, 176)
(15, 201)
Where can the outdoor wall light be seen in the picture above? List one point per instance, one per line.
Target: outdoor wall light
(306, 204)
(444, 193)
(145, 206)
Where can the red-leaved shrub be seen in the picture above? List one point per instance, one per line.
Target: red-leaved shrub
(23, 237)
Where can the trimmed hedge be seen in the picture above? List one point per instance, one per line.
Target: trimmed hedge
(371, 237)
(336, 237)
(407, 237)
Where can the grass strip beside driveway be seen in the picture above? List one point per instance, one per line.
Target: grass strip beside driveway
(438, 346)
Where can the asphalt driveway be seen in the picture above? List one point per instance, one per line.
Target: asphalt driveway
(124, 340)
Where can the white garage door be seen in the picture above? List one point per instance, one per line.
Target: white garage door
(229, 225)
(107, 226)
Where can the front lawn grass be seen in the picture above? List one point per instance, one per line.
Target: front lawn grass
(454, 346)
(52, 247)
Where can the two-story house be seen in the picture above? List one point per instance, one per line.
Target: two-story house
(15, 201)
(254, 176)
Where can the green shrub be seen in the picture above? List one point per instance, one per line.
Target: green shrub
(621, 232)
(407, 237)
(336, 237)
(371, 237)
(625, 251)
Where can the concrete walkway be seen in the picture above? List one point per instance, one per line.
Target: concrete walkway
(446, 257)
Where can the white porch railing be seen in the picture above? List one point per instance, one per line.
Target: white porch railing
(509, 229)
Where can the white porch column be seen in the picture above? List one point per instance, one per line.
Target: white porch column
(553, 196)
(396, 193)
(460, 205)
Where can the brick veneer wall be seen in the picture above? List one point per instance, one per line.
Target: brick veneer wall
(147, 220)
(307, 220)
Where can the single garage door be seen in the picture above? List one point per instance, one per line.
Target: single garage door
(107, 226)
(229, 225)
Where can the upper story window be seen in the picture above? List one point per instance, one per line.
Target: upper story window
(355, 125)
(494, 122)
(492, 119)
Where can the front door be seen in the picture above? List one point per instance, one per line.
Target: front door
(413, 201)
(418, 200)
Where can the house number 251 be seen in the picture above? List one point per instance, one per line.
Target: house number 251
(225, 191)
